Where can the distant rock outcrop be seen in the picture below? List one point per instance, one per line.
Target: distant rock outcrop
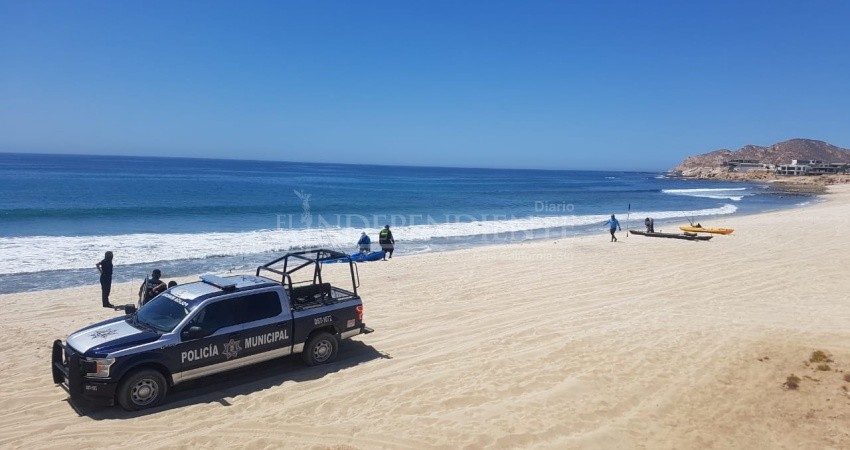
(781, 153)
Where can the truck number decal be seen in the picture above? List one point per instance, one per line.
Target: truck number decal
(323, 320)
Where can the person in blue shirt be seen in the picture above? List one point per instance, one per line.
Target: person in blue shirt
(364, 243)
(614, 225)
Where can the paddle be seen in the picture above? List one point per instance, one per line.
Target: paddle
(629, 213)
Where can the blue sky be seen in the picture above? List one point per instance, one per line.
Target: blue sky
(631, 85)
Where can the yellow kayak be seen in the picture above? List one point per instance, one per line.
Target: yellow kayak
(707, 230)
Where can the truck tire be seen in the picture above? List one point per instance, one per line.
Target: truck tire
(320, 349)
(142, 389)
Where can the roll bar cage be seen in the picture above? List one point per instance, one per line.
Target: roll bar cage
(295, 261)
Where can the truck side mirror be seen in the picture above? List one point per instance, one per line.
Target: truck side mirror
(129, 309)
(193, 332)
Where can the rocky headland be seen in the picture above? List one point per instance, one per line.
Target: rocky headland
(713, 165)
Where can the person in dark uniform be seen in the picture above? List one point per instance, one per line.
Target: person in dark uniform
(385, 238)
(151, 287)
(105, 269)
(650, 225)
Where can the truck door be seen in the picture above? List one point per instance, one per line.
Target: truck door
(267, 323)
(211, 341)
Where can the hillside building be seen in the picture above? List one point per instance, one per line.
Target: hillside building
(746, 165)
(792, 169)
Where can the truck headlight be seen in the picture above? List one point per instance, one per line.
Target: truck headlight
(99, 367)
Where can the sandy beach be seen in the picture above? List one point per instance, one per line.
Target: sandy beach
(574, 343)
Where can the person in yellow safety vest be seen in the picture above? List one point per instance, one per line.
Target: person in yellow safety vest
(385, 238)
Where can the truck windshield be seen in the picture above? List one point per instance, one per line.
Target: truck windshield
(162, 314)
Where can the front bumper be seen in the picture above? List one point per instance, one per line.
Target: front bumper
(68, 372)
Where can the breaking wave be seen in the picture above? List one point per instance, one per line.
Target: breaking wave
(43, 253)
(734, 194)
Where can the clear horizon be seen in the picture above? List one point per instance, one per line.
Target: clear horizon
(225, 158)
(543, 85)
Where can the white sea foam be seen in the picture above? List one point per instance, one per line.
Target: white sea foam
(39, 253)
(734, 194)
(684, 191)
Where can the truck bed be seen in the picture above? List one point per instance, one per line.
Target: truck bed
(316, 295)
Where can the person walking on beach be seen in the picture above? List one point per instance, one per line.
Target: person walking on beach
(364, 244)
(614, 225)
(385, 238)
(105, 269)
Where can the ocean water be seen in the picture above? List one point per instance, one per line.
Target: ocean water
(60, 213)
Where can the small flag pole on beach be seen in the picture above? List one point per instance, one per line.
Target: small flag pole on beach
(629, 213)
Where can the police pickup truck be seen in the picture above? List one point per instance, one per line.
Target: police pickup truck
(210, 326)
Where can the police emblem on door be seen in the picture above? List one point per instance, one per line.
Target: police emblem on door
(231, 349)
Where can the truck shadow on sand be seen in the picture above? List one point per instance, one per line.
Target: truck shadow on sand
(266, 375)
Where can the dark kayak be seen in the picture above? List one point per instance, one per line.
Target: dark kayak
(688, 237)
(359, 257)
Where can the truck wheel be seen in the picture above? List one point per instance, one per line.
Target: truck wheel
(320, 349)
(142, 389)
